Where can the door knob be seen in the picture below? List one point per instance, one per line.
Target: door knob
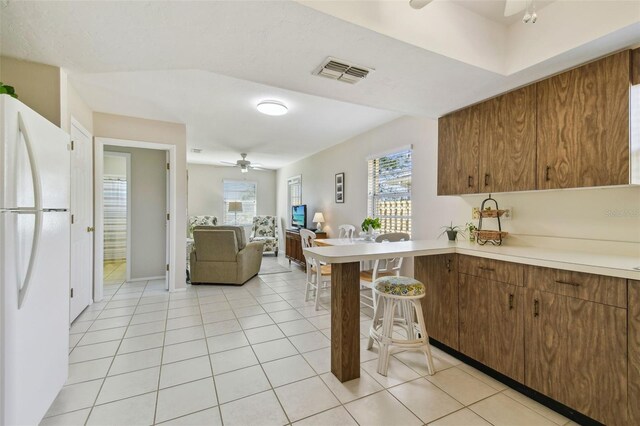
(90, 229)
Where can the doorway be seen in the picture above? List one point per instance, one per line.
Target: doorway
(136, 203)
(116, 216)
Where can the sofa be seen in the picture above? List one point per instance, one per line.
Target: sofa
(265, 229)
(220, 255)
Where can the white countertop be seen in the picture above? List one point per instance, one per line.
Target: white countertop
(594, 263)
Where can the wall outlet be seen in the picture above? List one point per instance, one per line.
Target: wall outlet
(508, 214)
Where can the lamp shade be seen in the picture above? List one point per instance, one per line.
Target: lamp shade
(318, 217)
(235, 206)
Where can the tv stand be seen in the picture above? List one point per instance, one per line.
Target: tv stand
(293, 245)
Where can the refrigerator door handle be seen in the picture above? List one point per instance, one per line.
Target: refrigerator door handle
(37, 197)
(24, 288)
(35, 173)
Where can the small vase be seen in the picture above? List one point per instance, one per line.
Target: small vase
(452, 235)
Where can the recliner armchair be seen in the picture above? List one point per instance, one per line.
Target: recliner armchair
(220, 255)
(265, 228)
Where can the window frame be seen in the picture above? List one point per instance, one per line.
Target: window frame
(290, 182)
(395, 222)
(224, 202)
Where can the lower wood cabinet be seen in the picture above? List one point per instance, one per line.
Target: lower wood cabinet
(440, 304)
(634, 350)
(576, 353)
(491, 324)
(293, 245)
(574, 337)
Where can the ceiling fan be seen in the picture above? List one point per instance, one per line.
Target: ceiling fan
(511, 7)
(244, 164)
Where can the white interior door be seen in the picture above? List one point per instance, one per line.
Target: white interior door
(167, 228)
(82, 221)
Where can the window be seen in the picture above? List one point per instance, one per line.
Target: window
(390, 191)
(294, 185)
(243, 192)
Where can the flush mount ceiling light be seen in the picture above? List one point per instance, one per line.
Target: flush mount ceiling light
(272, 108)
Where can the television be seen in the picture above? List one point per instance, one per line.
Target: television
(299, 216)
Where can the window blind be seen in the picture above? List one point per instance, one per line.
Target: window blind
(242, 191)
(389, 191)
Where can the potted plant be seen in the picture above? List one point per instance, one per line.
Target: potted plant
(471, 228)
(7, 90)
(452, 231)
(369, 225)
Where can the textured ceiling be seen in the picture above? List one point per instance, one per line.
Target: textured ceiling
(206, 63)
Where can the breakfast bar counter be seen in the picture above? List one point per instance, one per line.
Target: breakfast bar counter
(345, 279)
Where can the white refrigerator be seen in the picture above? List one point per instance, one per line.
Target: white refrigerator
(34, 262)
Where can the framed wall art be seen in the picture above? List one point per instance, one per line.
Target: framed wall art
(340, 187)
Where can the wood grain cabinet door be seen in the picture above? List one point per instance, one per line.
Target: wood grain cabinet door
(576, 353)
(583, 125)
(506, 330)
(634, 352)
(458, 152)
(507, 142)
(440, 304)
(491, 324)
(474, 296)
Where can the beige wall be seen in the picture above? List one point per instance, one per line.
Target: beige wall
(205, 189)
(611, 214)
(78, 109)
(137, 129)
(37, 85)
(148, 210)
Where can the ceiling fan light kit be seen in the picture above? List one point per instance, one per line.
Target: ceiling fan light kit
(274, 108)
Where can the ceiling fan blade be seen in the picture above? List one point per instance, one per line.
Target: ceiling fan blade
(228, 163)
(419, 4)
(511, 7)
(257, 168)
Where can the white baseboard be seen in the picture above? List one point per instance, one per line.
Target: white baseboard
(161, 277)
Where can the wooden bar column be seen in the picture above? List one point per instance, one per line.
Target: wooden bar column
(345, 320)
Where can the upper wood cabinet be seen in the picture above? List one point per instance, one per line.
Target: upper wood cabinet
(570, 130)
(458, 152)
(583, 125)
(507, 142)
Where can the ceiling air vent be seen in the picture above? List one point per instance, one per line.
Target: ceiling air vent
(337, 69)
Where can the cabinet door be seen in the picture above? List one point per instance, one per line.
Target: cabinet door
(507, 141)
(576, 353)
(458, 152)
(491, 324)
(440, 304)
(634, 352)
(583, 125)
(474, 295)
(505, 329)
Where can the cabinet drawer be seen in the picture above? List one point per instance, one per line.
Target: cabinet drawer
(595, 288)
(496, 270)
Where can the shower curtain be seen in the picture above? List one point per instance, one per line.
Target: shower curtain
(115, 219)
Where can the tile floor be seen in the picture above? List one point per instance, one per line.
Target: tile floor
(114, 271)
(256, 355)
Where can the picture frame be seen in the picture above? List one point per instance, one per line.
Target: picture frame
(340, 187)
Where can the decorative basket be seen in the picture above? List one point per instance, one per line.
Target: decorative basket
(487, 234)
(492, 213)
(492, 236)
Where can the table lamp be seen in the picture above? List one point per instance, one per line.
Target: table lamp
(235, 207)
(319, 218)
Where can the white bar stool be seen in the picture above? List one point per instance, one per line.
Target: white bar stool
(405, 293)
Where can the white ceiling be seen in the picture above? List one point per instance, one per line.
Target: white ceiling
(494, 9)
(222, 116)
(206, 63)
